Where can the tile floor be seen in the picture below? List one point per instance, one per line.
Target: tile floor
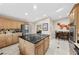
(57, 47)
(10, 50)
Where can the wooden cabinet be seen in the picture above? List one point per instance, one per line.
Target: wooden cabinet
(15, 38)
(21, 46)
(42, 46)
(39, 49)
(46, 44)
(8, 23)
(8, 39)
(28, 48)
(2, 41)
(75, 17)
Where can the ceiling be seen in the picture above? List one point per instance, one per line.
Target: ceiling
(34, 11)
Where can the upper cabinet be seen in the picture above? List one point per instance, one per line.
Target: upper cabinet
(10, 23)
(74, 11)
(74, 18)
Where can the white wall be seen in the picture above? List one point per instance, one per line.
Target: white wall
(32, 28)
(47, 20)
(50, 26)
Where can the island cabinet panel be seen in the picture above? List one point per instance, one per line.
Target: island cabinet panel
(39, 49)
(46, 44)
(21, 46)
(28, 48)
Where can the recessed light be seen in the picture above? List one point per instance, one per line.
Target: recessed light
(34, 7)
(60, 9)
(26, 13)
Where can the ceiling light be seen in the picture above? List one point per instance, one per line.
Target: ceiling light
(59, 10)
(26, 13)
(34, 7)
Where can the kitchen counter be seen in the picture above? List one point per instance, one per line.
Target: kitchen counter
(34, 44)
(34, 38)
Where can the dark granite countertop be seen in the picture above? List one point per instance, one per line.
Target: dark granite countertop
(34, 38)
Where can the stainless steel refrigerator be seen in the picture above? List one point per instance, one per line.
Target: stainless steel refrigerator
(25, 29)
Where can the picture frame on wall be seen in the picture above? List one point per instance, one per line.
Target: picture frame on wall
(45, 27)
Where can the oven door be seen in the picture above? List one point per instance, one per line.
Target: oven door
(72, 34)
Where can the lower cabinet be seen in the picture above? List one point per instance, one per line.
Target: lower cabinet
(21, 46)
(28, 48)
(39, 49)
(15, 38)
(42, 46)
(8, 39)
(46, 44)
(25, 47)
(2, 41)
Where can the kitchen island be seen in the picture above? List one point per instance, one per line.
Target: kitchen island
(34, 44)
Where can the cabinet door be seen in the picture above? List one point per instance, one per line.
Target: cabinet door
(78, 19)
(1, 23)
(46, 44)
(9, 39)
(28, 48)
(21, 46)
(15, 38)
(39, 49)
(2, 41)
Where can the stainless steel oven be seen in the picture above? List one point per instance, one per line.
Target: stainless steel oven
(72, 39)
(72, 34)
